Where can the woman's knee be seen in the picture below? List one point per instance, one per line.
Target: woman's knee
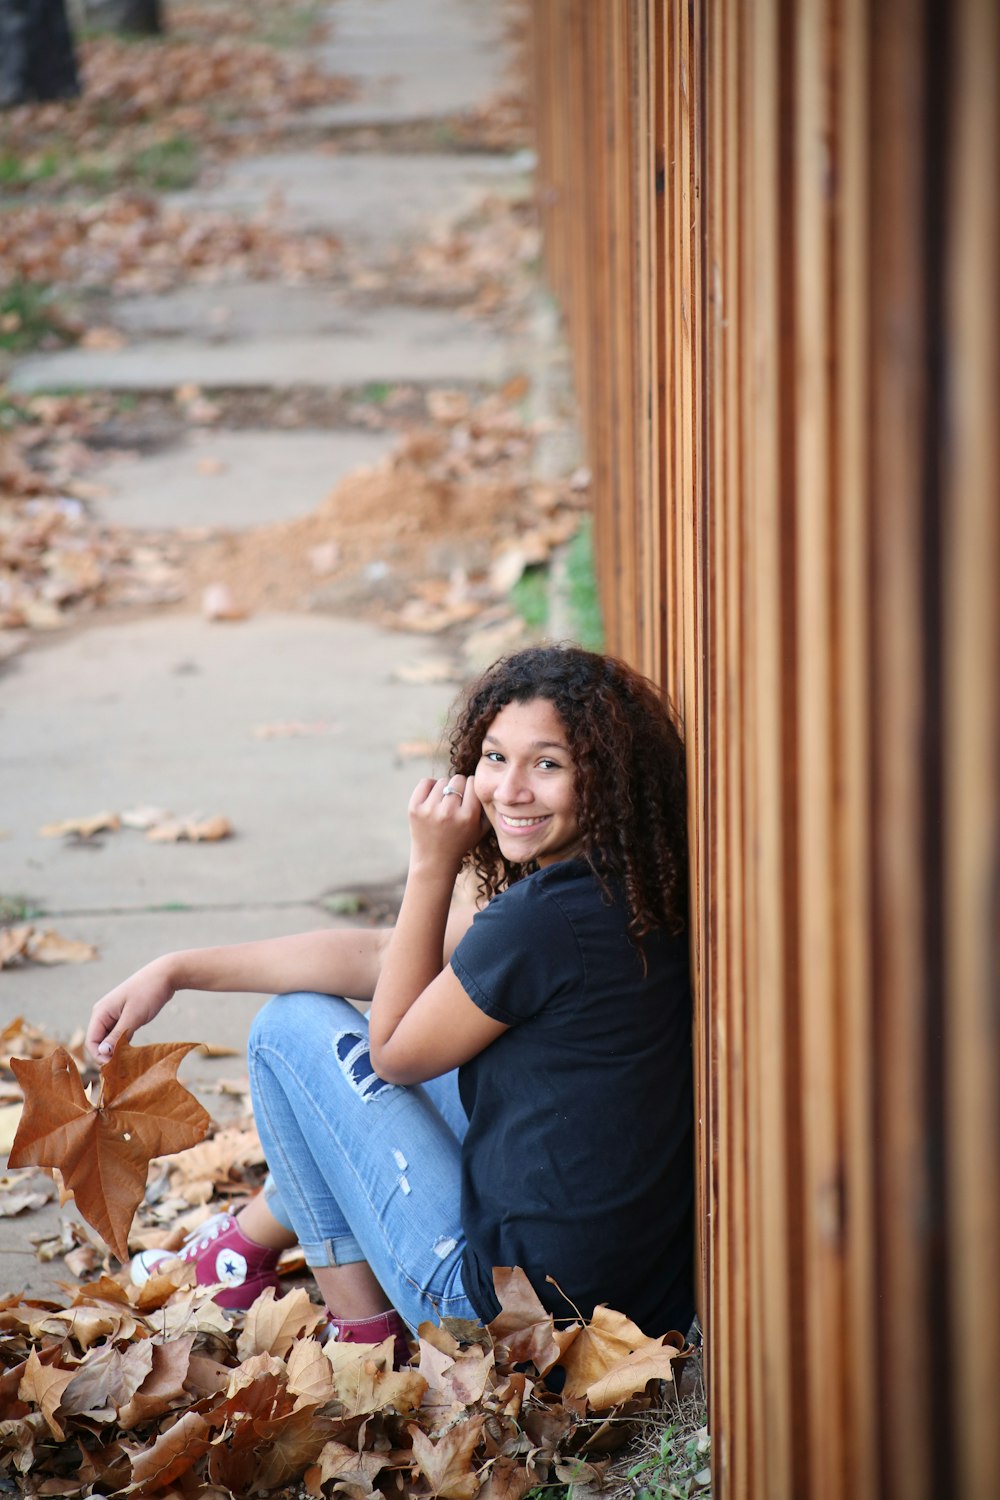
(301, 1022)
(299, 1015)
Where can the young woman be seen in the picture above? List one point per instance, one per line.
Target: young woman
(521, 1091)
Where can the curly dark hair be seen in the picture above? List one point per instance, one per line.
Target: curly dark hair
(628, 757)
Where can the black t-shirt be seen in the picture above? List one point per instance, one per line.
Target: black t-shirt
(579, 1158)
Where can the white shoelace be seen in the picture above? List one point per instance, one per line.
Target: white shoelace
(199, 1239)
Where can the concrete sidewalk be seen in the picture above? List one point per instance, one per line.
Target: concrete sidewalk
(164, 709)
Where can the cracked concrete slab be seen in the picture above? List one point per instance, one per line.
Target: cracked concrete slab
(373, 202)
(388, 344)
(163, 712)
(231, 480)
(246, 309)
(412, 62)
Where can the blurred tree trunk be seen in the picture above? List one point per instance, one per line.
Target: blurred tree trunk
(36, 52)
(137, 17)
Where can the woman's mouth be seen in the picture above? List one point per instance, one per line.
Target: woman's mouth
(519, 825)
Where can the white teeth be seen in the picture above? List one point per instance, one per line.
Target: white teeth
(521, 822)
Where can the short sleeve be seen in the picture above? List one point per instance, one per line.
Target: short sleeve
(519, 954)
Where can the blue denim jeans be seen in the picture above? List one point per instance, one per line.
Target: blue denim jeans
(361, 1169)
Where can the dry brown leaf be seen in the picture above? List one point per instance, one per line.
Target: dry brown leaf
(50, 947)
(630, 1376)
(14, 944)
(23, 1191)
(192, 829)
(309, 1377)
(354, 1472)
(106, 1380)
(43, 1386)
(172, 1453)
(27, 944)
(85, 1324)
(274, 1323)
(144, 817)
(103, 1152)
(84, 828)
(607, 1353)
(508, 1480)
(10, 1119)
(447, 1464)
(523, 1325)
(454, 1380)
(366, 1381)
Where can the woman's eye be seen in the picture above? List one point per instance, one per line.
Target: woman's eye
(549, 765)
(494, 756)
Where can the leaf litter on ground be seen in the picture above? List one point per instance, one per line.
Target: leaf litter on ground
(152, 1389)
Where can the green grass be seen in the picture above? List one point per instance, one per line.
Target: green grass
(29, 318)
(376, 391)
(24, 171)
(583, 602)
(18, 908)
(530, 597)
(170, 164)
(164, 166)
(677, 1468)
(13, 413)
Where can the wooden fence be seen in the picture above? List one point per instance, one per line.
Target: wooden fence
(773, 228)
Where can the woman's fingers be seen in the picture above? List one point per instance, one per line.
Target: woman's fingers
(445, 817)
(421, 792)
(104, 1029)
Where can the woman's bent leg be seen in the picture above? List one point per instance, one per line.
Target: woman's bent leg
(366, 1170)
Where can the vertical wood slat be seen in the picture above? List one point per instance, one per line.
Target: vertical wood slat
(773, 231)
(972, 748)
(897, 360)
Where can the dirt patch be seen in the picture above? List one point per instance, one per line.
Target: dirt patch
(432, 536)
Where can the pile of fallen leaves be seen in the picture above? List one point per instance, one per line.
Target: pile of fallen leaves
(132, 242)
(203, 82)
(434, 535)
(56, 559)
(155, 1389)
(483, 264)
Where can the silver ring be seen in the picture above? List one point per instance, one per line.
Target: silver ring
(451, 791)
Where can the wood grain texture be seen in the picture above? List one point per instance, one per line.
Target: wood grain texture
(774, 233)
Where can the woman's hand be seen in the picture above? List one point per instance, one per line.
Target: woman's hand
(127, 1007)
(446, 821)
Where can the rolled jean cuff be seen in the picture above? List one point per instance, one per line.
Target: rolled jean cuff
(341, 1250)
(273, 1199)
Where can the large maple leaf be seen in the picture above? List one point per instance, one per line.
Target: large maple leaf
(103, 1150)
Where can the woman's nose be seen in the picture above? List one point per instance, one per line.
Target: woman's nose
(513, 786)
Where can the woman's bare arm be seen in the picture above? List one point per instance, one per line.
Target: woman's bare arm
(332, 961)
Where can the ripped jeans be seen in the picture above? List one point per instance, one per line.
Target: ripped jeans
(361, 1169)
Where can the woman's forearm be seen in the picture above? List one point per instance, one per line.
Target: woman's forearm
(344, 962)
(414, 955)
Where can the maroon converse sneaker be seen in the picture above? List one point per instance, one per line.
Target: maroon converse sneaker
(372, 1331)
(219, 1251)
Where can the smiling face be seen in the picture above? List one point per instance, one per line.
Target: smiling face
(525, 780)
